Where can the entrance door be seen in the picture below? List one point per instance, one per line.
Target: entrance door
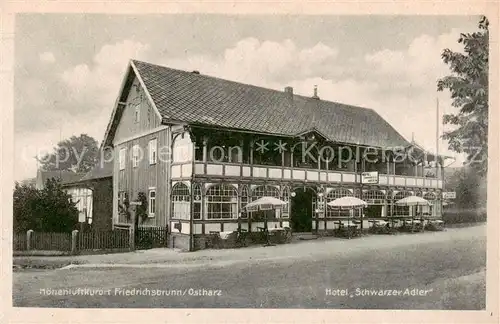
(302, 210)
(373, 211)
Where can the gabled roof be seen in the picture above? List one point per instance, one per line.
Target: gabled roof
(203, 100)
(65, 176)
(186, 97)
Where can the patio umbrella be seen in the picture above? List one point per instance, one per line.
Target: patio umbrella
(413, 201)
(265, 203)
(347, 203)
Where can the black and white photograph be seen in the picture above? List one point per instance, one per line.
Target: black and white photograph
(251, 161)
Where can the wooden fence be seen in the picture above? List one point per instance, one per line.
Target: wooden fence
(50, 241)
(103, 240)
(19, 242)
(151, 237)
(118, 239)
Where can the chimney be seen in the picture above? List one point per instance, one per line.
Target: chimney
(289, 90)
(195, 72)
(315, 96)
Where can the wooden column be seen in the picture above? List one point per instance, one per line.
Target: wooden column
(205, 154)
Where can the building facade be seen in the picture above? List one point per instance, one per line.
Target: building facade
(200, 148)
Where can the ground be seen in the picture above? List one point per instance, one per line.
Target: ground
(439, 270)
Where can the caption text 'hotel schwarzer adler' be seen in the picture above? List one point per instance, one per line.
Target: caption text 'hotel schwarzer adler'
(307, 202)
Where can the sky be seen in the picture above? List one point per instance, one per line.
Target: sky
(69, 67)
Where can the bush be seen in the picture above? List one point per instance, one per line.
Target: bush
(464, 216)
(46, 210)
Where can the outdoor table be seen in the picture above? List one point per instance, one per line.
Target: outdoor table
(278, 234)
(378, 222)
(348, 228)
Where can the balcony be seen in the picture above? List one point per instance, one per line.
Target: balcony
(236, 170)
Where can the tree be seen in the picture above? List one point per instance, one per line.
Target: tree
(468, 85)
(46, 210)
(469, 186)
(78, 154)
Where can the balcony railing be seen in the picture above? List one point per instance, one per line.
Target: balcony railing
(234, 170)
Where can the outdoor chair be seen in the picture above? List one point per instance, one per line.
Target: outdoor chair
(213, 240)
(381, 227)
(348, 231)
(242, 238)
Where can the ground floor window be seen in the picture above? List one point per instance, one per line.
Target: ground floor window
(401, 210)
(335, 194)
(180, 201)
(222, 202)
(152, 202)
(431, 210)
(266, 191)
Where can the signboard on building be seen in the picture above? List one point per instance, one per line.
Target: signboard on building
(369, 177)
(449, 195)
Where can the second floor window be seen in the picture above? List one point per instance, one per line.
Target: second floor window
(122, 158)
(137, 114)
(135, 155)
(152, 151)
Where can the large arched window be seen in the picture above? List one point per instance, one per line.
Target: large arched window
(180, 201)
(432, 209)
(222, 202)
(401, 210)
(374, 197)
(339, 193)
(265, 191)
(335, 194)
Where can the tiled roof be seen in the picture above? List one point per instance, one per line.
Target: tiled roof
(64, 176)
(200, 99)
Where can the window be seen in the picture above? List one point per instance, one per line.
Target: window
(122, 196)
(122, 158)
(374, 197)
(135, 155)
(152, 151)
(197, 201)
(222, 202)
(401, 210)
(266, 191)
(335, 194)
(152, 202)
(263, 191)
(137, 116)
(181, 198)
